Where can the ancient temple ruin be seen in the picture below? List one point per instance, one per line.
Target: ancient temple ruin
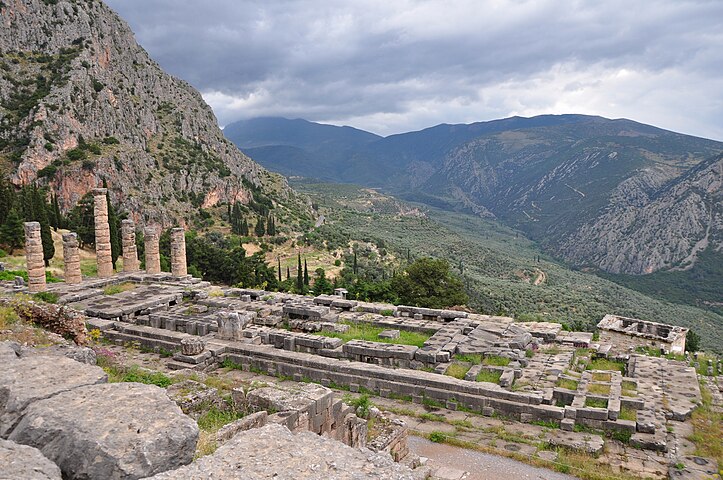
(531, 372)
(631, 333)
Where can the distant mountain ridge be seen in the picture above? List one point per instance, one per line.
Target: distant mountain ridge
(618, 195)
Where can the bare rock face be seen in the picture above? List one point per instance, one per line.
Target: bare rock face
(94, 105)
(33, 378)
(22, 462)
(273, 451)
(113, 431)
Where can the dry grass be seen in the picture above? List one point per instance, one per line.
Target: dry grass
(598, 389)
(601, 377)
(457, 370)
(120, 288)
(567, 383)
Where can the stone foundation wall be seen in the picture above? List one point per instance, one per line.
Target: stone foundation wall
(313, 408)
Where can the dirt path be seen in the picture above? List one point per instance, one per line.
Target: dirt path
(454, 463)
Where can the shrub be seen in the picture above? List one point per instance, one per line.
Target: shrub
(76, 154)
(438, 437)
(47, 297)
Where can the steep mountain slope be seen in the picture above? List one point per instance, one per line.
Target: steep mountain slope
(297, 147)
(580, 185)
(80, 102)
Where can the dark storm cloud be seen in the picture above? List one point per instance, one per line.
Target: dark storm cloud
(398, 65)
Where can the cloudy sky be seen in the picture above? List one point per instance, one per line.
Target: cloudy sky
(390, 66)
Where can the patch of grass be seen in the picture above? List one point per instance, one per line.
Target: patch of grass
(135, 374)
(228, 363)
(457, 370)
(596, 402)
(567, 383)
(473, 358)
(629, 389)
(119, 373)
(89, 267)
(621, 435)
(8, 317)
(120, 288)
(489, 376)
(214, 418)
(598, 389)
(606, 364)
(601, 377)
(47, 297)
(430, 402)
(627, 413)
(370, 333)
(496, 361)
(432, 417)
(707, 427)
(438, 437)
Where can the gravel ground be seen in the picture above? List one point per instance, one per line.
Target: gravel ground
(454, 463)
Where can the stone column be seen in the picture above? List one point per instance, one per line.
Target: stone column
(130, 252)
(71, 258)
(178, 253)
(153, 253)
(102, 233)
(34, 257)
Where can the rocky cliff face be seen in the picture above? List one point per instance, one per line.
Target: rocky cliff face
(648, 226)
(81, 101)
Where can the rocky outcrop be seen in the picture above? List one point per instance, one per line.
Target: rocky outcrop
(21, 462)
(114, 430)
(33, 378)
(273, 451)
(83, 102)
(89, 428)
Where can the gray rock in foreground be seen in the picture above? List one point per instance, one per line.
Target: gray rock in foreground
(274, 452)
(38, 377)
(110, 431)
(20, 462)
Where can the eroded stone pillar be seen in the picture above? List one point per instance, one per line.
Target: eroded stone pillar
(102, 233)
(130, 252)
(178, 253)
(34, 257)
(71, 258)
(153, 253)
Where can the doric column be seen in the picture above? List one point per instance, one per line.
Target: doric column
(153, 254)
(71, 259)
(102, 233)
(130, 252)
(34, 257)
(178, 253)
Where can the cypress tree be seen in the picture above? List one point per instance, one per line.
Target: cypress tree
(354, 267)
(306, 274)
(12, 233)
(288, 272)
(299, 276)
(260, 229)
(278, 260)
(7, 200)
